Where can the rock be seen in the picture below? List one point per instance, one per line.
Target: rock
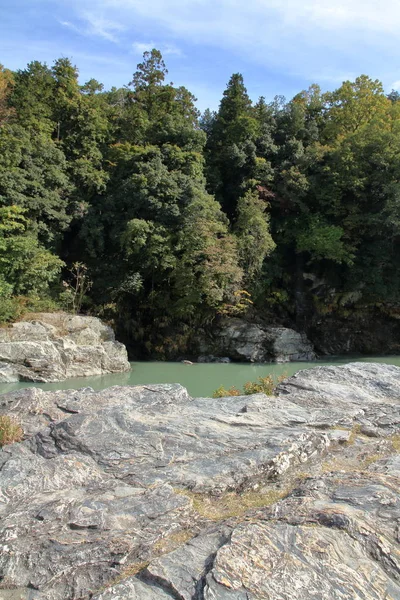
(251, 342)
(333, 538)
(56, 346)
(373, 332)
(144, 492)
(213, 359)
(8, 373)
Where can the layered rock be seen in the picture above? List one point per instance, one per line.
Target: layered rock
(369, 332)
(145, 493)
(56, 346)
(250, 342)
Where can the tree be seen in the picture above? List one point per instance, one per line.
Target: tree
(6, 86)
(33, 98)
(208, 273)
(231, 149)
(25, 266)
(254, 238)
(353, 105)
(150, 73)
(33, 177)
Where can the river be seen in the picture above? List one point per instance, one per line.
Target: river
(199, 379)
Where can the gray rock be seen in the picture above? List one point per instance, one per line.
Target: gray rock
(213, 359)
(114, 494)
(8, 373)
(333, 541)
(56, 346)
(250, 342)
(183, 571)
(133, 589)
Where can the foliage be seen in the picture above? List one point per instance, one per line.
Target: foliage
(253, 232)
(221, 392)
(25, 266)
(264, 385)
(282, 208)
(76, 289)
(10, 431)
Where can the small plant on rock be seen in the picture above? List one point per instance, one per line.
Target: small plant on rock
(10, 431)
(76, 288)
(263, 385)
(221, 392)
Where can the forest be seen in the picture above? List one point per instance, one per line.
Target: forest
(130, 205)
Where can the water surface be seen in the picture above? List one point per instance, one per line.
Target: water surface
(199, 379)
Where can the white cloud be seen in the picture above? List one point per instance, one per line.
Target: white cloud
(225, 17)
(396, 85)
(96, 25)
(165, 49)
(101, 26)
(70, 25)
(314, 39)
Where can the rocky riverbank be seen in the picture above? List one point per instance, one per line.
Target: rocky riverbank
(145, 493)
(241, 340)
(57, 346)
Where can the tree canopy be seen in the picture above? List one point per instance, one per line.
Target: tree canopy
(177, 216)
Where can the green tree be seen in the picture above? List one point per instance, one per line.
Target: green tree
(253, 233)
(26, 268)
(208, 273)
(33, 177)
(231, 149)
(33, 98)
(6, 86)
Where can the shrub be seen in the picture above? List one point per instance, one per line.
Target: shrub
(221, 392)
(9, 309)
(263, 385)
(13, 308)
(10, 431)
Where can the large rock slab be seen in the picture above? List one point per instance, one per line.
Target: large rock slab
(250, 342)
(334, 537)
(144, 492)
(56, 346)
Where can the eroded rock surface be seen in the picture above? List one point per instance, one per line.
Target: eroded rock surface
(250, 342)
(146, 493)
(56, 346)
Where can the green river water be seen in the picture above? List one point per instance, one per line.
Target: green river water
(199, 379)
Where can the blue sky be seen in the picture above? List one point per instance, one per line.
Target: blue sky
(280, 46)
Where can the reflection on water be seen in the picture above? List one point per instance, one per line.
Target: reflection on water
(199, 379)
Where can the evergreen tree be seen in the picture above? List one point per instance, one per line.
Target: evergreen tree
(231, 149)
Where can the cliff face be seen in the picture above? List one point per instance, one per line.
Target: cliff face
(245, 341)
(145, 493)
(56, 346)
(359, 332)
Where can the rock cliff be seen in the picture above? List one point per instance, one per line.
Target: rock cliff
(56, 346)
(145, 493)
(251, 342)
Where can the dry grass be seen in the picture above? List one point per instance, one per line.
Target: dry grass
(370, 460)
(171, 542)
(131, 570)
(231, 504)
(395, 441)
(354, 434)
(10, 430)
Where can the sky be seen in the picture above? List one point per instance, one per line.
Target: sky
(280, 46)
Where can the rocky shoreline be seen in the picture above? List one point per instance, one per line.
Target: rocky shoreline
(146, 493)
(56, 346)
(245, 341)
